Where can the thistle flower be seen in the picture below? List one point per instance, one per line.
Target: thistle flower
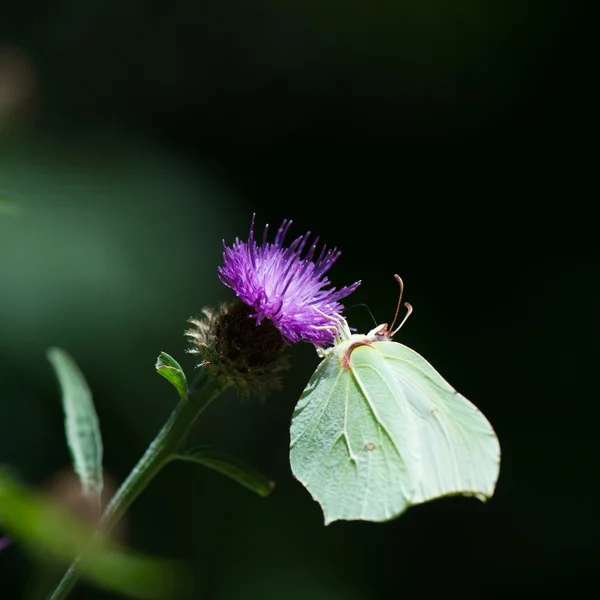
(280, 284)
(283, 298)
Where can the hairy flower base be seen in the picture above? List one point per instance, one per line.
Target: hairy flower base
(233, 347)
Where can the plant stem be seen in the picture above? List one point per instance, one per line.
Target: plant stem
(160, 451)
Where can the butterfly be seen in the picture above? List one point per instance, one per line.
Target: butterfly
(378, 430)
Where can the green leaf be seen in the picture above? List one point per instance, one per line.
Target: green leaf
(42, 526)
(232, 467)
(81, 422)
(170, 369)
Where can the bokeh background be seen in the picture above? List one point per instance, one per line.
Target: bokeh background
(452, 143)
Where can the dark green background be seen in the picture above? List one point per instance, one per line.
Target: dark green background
(452, 143)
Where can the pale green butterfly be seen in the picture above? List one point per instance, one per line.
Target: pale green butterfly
(377, 430)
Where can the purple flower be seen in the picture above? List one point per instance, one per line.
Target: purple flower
(4, 542)
(280, 284)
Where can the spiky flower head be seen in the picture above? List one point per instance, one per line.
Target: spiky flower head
(283, 298)
(286, 285)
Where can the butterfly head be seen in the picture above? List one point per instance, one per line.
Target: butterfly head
(381, 333)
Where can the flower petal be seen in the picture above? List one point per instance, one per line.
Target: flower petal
(281, 284)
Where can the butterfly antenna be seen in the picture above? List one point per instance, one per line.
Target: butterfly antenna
(368, 310)
(409, 308)
(401, 284)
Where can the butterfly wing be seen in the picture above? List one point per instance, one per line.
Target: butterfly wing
(459, 451)
(354, 445)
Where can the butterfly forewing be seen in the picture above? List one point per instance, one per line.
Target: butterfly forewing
(459, 450)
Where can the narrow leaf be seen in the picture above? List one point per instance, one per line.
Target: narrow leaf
(81, 422)
(232, 467)
(170, 369)
(40, 525)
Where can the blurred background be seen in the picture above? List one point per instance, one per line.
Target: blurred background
(448, 142)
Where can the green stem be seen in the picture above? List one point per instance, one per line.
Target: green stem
(167, 443)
